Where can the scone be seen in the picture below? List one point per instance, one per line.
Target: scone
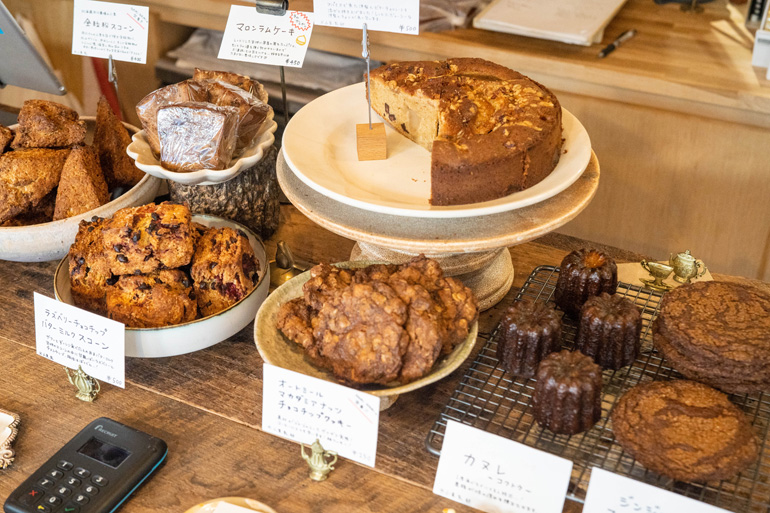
(26, 177)
(224, 269)
(110, 140)
(82, 186)
(144, 239)
(684, 430)
(164, 298)
(6, 136)
(90, 274)
(45, 124)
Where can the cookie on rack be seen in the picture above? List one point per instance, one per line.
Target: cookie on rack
(684, 430)
(717, 333)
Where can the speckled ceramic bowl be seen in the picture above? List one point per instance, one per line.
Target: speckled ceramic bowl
(51, 241)
(200, 333)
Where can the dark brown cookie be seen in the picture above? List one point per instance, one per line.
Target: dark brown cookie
(684, 430)
(717, 333)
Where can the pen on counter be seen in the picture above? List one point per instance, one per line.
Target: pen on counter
(622, 38)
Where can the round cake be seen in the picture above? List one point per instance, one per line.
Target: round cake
(528, 333)
(568, 393)
(582, 274)
(717, 333)
(609, 330)
(684, 430)
(491, 130)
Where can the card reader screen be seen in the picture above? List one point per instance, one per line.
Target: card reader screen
(104, 452)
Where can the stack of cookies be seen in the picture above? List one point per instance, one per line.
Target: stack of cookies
(717, 333)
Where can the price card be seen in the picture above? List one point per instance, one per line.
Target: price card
(494, 474)
(611, 493)
(72, 336)
(386, 15)
(265, 38)
(303, 408)
(101, 29)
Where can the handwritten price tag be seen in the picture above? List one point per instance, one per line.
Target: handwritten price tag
(611, 493)
(101, 29)
(401, 16)
(494, 474)
(266, 39)
(71, 337)
(303, 408)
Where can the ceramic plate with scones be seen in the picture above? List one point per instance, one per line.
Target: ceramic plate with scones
(384, 328)
(178, 282)
(204, 130)
(56, 169)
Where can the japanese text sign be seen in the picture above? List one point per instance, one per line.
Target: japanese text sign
(101, 29)
(385, 15)
(73, 337)
(265, 38)
(494, 474)
(611, 493)
(303, 408)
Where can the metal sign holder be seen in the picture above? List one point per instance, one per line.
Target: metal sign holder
(371, 140)
(277, 8)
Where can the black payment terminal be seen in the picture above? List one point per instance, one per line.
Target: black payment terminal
(95, 472)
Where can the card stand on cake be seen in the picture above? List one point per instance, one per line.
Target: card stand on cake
(495, 401)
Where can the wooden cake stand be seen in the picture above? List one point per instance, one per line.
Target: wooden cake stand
(473, 249)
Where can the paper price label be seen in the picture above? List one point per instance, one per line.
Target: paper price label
(74, 337)
(266, 39)
(104, 29)
(303, 409)
(494, 474)
(611, 493)
(401, 16)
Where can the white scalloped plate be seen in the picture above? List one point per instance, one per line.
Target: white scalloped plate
(140, 151)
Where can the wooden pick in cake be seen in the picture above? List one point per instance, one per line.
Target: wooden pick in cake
(371, 140)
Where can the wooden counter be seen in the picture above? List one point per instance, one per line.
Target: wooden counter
(207, 406)
(677, 116)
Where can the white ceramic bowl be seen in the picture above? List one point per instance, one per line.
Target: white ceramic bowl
(140, 151)
(277, 350)
(200, 333)
(242, 502)
(51, 241)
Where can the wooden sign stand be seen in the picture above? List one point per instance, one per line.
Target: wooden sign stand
(371, 140)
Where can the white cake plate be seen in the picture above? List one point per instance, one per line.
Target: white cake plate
(473, 249)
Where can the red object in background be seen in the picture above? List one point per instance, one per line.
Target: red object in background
(106, 88)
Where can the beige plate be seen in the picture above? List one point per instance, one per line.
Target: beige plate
(277, 350)
(243, 502)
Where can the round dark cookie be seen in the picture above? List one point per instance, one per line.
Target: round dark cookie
(684, 430)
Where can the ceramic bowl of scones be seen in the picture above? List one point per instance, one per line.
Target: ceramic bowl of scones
(58, 168)
(178, 282)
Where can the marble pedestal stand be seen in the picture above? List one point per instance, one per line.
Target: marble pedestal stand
(473, 249)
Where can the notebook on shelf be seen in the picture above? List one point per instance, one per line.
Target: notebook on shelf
(580, 22)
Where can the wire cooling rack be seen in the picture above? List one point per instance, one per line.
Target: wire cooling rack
(497, 402)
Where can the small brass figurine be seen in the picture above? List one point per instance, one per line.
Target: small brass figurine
(659, 272)
(319, 466)
(686, 267)
(88, 387)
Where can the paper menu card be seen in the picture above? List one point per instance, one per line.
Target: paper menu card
(579, 22)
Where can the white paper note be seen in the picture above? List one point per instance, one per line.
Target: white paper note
(226, 507)
(303, 409)
(265, 38)
(497, 475)
(612, 493)
(74, 337)
(401, 16)
(101, 29)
